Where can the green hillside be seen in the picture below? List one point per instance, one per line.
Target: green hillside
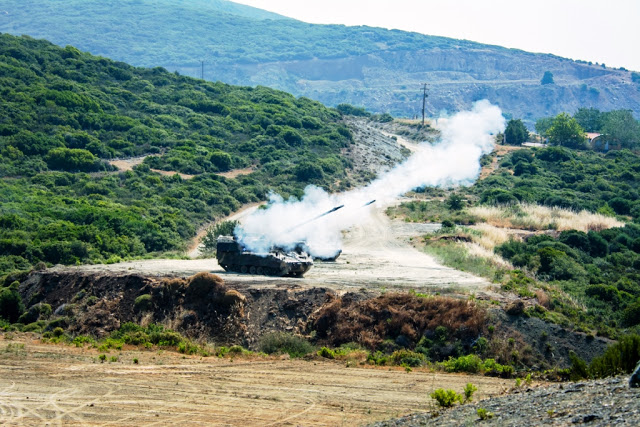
(382, 70)
(64, 113)
(149, 33)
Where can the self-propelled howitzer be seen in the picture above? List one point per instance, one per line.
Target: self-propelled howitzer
(234, 256)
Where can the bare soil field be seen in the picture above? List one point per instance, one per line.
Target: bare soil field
(46, 384)
(124, 165)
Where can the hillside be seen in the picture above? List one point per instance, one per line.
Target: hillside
(382, 70)
(65, 114)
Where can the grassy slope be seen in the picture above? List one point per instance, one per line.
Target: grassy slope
(582, 269)
(183, 33)
(378, 68)
(63, 113)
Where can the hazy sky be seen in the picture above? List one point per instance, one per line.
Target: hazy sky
(604, 31)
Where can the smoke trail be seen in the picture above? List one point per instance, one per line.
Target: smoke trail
(454, 160)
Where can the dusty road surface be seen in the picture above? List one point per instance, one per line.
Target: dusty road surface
(46, 384)
(375, 255)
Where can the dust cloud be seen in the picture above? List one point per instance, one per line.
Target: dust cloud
(454, 160)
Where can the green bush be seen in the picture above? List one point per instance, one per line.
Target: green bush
(619, 358)
(11, 306)
(483, 414)
(471, 363)
(446, 398)
(327, 353)
(143, 303)
(405, 357)
(469, 389)
(280, 343)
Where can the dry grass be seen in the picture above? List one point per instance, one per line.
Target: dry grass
(479, 251)
(491, 236)
(535, 217)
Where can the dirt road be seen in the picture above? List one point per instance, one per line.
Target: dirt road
(44, 384)
(375, 255)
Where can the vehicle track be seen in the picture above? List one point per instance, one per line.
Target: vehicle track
(65, 385)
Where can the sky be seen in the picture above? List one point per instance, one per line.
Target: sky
(603, 31)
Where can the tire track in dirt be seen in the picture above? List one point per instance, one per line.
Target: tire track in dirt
(65, 386)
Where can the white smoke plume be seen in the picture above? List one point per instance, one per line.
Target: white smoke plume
(454, 160)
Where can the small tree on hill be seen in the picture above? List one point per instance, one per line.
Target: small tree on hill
(516, 132)
(547, 78)
(566, 131)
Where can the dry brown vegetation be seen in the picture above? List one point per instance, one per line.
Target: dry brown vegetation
(535, 217)
(371, 321)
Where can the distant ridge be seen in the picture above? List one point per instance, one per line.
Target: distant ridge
(382, 70)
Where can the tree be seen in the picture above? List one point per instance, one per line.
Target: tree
(455, 202)
(516, 132)
(220, 160)
(591, 119)
(547, 78)
(307, 171)
(621, 128)
(11, 306)
(566, 131)
(543, 125)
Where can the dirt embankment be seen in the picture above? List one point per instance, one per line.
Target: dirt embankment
(203, 307)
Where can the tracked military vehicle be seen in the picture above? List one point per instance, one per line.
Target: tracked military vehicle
(278, 261)
(233, 256)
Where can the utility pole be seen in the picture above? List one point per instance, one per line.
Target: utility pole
(424, 100)
(202, 69)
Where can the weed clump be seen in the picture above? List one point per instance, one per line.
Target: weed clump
(281, 343)
(204, 284)
(483, 414)
(446, 398)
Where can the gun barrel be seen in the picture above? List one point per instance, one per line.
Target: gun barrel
(315, 218)
(369, 203)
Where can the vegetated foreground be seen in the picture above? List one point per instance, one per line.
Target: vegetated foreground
(44, 383)
(608, 401)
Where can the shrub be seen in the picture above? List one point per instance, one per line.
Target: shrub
(579, 368)
(408, 358)
(280, 342)
(223, 228)
(35, 312)
(446, 398)
(327, 353)
(619, 358)
(455, 202)
(11, 306)
(631, 314)
(483, 414)
(469, 389)
(143, 303)
(102, 358)
(203, 284)
(470, 363)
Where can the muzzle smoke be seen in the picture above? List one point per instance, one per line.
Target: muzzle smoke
(453, 161)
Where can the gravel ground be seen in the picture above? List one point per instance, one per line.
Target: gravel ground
(597, 403)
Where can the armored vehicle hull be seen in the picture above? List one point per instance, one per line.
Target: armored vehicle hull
(233, 256)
